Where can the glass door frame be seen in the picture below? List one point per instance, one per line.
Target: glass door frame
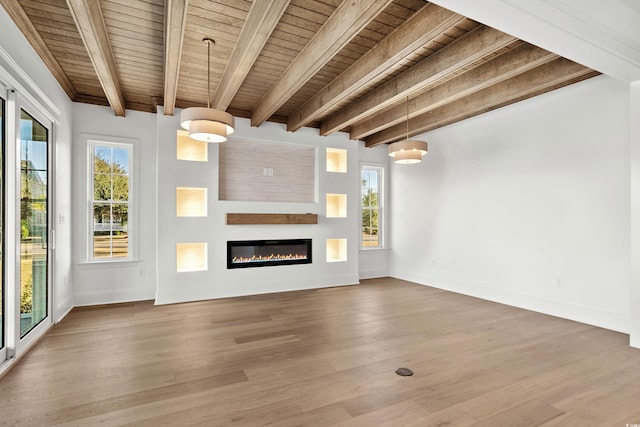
(4, 325)
(22, 104)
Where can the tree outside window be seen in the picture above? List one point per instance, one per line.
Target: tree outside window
(110, 208)
(371, 207)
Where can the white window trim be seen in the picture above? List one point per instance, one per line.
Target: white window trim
(382, 229)
(131, 145)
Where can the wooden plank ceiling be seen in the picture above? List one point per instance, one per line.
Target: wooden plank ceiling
(338, 65)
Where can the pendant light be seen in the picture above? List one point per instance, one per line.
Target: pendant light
(408, 151)
(207, 124)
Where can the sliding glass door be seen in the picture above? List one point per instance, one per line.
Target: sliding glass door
(34, 224)
(25, 223)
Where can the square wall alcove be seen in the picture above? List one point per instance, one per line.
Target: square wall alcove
(191, 257)
(191, 202)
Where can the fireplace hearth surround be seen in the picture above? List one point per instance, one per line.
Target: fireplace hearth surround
(264, 253)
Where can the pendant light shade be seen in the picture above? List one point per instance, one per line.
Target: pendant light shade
(207, 124)
(211, 115)
(408, 151)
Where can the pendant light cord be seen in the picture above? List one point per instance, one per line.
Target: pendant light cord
(407, 118)
(209, 41)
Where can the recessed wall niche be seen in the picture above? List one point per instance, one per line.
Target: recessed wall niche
(336, 160)
(190, 149)
(191, 202)
(336, 205)
(191, 257)
(267, 172)
(336, 250)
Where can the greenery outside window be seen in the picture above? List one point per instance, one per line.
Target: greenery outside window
(372, 209)
(110, 196)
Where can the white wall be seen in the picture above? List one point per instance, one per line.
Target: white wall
(42, 87)
(375, 262)
(217, 281)
(526, 205)
(109, 282)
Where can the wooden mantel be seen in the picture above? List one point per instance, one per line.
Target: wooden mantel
(274, 218)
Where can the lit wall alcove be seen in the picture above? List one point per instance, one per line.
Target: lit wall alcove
(272, 171)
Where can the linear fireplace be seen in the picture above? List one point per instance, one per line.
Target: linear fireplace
(263, 253)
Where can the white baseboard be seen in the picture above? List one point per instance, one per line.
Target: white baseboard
(210, 292)
(589, 316)
(63, 309)
(113, 297)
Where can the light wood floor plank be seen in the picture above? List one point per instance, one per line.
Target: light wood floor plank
(324, 357)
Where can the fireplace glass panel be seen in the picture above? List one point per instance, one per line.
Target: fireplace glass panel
(262, 253)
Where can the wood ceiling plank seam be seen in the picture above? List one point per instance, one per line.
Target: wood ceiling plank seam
(156, 8)
(292, 23)
(379, 30)
(308, 9)
(540, 78)
(28, 29)
(130, 16)
(130, 55)
(134, 70)
(463, 51)
(134, 29)
(390, 50)
(214, 23)
(288, 31)
(154, 11)
(90, 23)
(142, 64)
(45, 25)
(125, 37)
(65, 44)
(45, 7)
(142, 14)
(292, 40)
(240, 6)
(366, 37)
(63, 39)
(49, 18)
(489, 73)
(212, 8)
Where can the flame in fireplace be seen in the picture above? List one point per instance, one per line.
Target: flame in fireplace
(268, 258)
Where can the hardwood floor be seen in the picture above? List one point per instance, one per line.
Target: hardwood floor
(325, 358)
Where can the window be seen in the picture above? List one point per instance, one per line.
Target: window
(110, 196)
(372, 210)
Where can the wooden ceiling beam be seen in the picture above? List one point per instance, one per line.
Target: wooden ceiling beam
(549, 76)
(22, 21)
(511, 63)
(461, 53)
(175, 19)
(425, 25)
(262, 19)
(344, 24)
(88, 17)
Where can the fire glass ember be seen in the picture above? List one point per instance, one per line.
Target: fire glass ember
(262, 253)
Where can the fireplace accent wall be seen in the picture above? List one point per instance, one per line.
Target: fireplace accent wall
(264, 253)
